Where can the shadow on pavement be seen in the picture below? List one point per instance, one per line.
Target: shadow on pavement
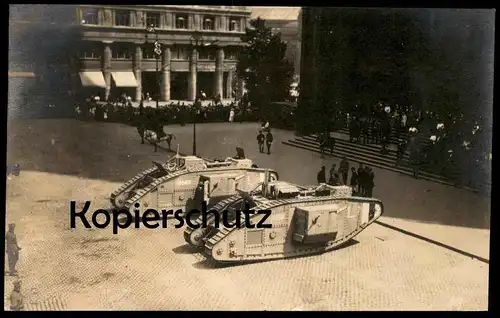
(186, 249)
(103, 151)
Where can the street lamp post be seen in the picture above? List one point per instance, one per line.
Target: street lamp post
(157, 51)
(197, 41)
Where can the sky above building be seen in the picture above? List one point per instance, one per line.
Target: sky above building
(275, 13)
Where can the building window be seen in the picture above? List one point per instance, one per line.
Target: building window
(153, 19)
(122, 18)
(231, 54)
(234, 24)
(90, 16)
(90, 53)
(181, 21)
(206, 54)
(121, 53)
(180, 53)
(208, 23)
(148, 52)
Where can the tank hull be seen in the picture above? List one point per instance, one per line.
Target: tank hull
(240, 245)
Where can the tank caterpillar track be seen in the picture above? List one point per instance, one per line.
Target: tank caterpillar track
(194, 236)
(117, 197)
(154, 185)
(216, 243)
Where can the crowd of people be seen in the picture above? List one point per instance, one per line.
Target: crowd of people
(452, 146)
(121, 110)
(362, 180)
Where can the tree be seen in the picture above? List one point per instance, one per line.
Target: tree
(262, 64)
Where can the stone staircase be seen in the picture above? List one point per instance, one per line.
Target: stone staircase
(370, 154)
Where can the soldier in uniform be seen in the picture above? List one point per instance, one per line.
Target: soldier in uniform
(260, 140)
(12, 249)
(269, 141)
(16, 298)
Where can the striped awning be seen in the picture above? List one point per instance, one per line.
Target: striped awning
(124, 79)
(94, 78)
(21, 74)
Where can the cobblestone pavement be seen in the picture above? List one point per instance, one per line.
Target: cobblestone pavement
(62, 268)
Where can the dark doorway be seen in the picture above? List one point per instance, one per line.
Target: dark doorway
(179, 85)
(151, 84)
(206, 83)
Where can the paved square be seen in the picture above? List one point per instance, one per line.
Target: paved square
(62, 268)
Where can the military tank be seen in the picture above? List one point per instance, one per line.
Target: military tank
(184, 182)
(305, 220)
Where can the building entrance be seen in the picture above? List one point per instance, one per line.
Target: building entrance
(179, 85)
(151, 85)
(206, 83)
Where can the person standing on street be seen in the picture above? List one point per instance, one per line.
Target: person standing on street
(269, 141)
(16, 298)
(321, 140)
(344, 170)
(334, 176)
(12, 249)
(260, 140)
(402, 145)
(415, 152)
(361, 180)
(231, 115)
(354, 180)
(402, 123)
(321, 177)
(370, 182)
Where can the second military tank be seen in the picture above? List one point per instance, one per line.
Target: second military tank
(304, 221)
(184, 182)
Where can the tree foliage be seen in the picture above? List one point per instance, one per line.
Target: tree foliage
(262, 64)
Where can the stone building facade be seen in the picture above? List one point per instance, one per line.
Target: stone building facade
(116, 52)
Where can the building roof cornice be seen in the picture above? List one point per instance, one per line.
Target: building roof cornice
(238, 10)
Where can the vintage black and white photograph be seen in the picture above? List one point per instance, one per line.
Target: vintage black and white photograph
(248, 158)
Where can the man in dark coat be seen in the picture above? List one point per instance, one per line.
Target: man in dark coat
(365, 130)
(269, 141)
(344, 170)
(415, 155)
(370, 182)
(321, 177)
(321, 140)
(402, 145)
(334, 176)
(361, 180)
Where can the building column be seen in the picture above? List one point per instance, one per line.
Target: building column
(229, 85)
(192, 84)
(106, 69)
(165, 66)
(219, 72)
(138, 72)
(242, 87)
